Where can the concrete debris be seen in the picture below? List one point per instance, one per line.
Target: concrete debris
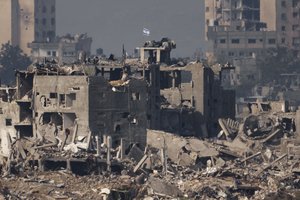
(183, 151)
(170, 167)
(163, 189)
(229, 127)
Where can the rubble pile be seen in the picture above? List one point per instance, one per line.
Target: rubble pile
(237, 165)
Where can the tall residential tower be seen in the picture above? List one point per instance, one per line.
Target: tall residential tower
(26, 21)
(244, 28)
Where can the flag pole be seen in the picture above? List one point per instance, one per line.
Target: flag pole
(123, 55)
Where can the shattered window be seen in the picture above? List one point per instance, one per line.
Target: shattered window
(54, 118)
(70, 98)
(53, 21)
(235, 41)
(272, 41)
(133, 121)
(251, 41)
(295, 14)
(8, 122)
(53, 95)
(230, 53)
(37, 34)
(296, 41)
(295, 3)
(52, 9)
(222, 41)
(1, 111)
(62, 99)
(283, 16)
(135, 96)
(186, 76)
(295, 27)
(117, 128)
(76, 88)
(125, 114)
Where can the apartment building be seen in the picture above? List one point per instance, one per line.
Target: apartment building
(240, 28)
(26, 21)
(288, 23)
(64, 49)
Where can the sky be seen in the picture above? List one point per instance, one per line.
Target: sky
(112, 23)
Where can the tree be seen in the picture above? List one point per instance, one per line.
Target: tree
(11, 58)
(277, 61)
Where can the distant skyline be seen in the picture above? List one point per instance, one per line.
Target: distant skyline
(112, 23)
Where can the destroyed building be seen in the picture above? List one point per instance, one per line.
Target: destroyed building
(76, 103)
(194, 100)
(65, 49)
(73, 108)
(157, 51)
(193, 97)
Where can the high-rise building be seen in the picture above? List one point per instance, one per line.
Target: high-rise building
(243, 28)
(284, 18)
(26, 21)
(287, 16)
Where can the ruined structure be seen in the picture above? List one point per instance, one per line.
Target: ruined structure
(194, 100)
(65, 49)
(72, 107)
(158, 51)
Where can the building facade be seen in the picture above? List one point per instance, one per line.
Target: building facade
(195, 100)
(288, 23)
(65, 49)
(75, 107)
(23, 22)
(239, 28)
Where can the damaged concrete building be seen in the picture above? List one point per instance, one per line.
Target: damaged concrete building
(65, 49)
(194, 100)
(77, 107)
(193, 97)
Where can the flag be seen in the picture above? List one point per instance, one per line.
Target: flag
(146, 32)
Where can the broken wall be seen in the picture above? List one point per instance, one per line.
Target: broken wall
(200, 91)
(24, 82)
(181, 150)
(222, 106)
(9, 117)
(120, 112)
(61, 103)
(152, 75)
(179, 121)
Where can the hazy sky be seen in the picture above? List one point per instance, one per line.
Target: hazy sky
(113, 22)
